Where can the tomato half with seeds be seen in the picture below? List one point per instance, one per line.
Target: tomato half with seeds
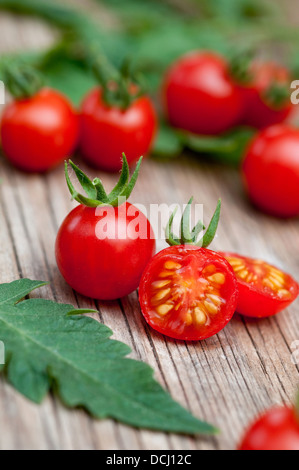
(188, 293)
(264, 290)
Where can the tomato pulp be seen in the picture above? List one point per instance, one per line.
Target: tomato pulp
(199, 95)
(263, 289)
(100, 254)
(37, 133)
(107, 131)
(188, 293)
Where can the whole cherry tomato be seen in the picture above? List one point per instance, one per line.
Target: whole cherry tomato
(266, 95)
(199, 94)
(263, 289)
(101, 248)
(107, 130)
(38, 132)
(271, 171)
(188, 292)
(277, 429)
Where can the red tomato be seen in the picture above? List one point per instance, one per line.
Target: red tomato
(199, 94)
(263, 289)
(259, 110)
(188, 293)
(277, 429)
(37, 133)
(108, 131)
(271, 171)
(100, 254)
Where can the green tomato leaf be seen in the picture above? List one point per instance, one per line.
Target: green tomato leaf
(45, 345)
(167, 143)
(226, 148)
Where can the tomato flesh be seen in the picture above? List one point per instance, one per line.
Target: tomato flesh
(188, 293)
(264, 290)
(277, 429)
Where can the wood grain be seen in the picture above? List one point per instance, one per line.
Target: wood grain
(226, 380)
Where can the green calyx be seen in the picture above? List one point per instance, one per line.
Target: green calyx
(21, 80)
(277, 95)
(95, 191)
(120, 88)
(188, 236)
(239, 67)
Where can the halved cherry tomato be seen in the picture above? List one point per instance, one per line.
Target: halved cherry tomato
(188, 293)
(263, 289)
(277, 429)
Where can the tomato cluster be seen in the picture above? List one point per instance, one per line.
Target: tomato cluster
(187, 291)
(40, 127)
(204, 94)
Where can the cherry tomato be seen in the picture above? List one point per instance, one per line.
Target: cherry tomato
(37, 133)
(277, 429)
(259, 95)
(188, 293)
(263, 289)
(271, 171)
(199, 95)
(99, 253)
(107, 131)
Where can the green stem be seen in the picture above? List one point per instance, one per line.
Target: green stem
(189, 237)
(116, 84)
(22, 81)
(95, 191)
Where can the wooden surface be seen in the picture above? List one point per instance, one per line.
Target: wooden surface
(226, 380)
